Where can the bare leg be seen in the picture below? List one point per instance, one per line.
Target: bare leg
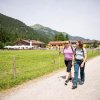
(67, 75)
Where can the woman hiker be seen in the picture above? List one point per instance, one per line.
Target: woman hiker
(80, 56)
(68, 54)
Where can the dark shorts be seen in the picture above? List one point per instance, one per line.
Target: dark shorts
(68, 65)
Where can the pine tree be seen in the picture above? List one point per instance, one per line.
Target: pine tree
(66, 37)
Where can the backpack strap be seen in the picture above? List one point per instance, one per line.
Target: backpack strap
(83, 51)
(72, 49)
(75, 51)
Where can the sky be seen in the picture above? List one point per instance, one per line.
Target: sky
(75, 17)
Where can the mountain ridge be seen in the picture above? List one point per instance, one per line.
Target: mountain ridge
(41, 28)
(12, 29)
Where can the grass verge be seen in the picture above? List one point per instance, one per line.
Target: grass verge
(30, 64)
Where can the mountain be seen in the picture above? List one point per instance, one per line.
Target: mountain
(12, 29)
(51, 33)
(45, 31)
(74, 37)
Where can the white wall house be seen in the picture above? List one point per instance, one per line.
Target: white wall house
(26, 44)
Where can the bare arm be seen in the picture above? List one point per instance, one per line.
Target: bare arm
(85, 58)
(73, 59)
(85, 55)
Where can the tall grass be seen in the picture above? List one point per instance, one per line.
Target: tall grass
(30, 64)
(93, 53)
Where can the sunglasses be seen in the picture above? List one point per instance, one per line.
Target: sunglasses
(66, 43)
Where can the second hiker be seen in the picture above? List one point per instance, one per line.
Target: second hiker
(80, 56)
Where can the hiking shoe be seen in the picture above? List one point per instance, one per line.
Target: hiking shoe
(81, 82)
(66, 82)
(74, 86)
(70, 79)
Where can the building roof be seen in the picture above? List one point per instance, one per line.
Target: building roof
(56, 42)
(72, 41)
(33, 42)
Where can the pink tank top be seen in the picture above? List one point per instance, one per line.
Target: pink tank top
(68, 53)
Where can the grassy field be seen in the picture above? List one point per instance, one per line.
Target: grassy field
(30, 64)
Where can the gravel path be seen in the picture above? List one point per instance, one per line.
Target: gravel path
(52, 87)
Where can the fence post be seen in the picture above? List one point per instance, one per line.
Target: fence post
(54, 59)
(59, 61)
(14, 67)
(92, 51)
(59, 55)
(98, 51)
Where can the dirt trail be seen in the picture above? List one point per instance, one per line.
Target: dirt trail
(53, 88)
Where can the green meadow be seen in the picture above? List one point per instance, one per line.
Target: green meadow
(29, 64)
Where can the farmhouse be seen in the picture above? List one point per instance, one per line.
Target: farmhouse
(33, 43)
(56, 44)
(60, 44)
(27, 44)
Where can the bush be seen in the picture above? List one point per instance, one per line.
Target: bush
(9, 43)
(1, 45)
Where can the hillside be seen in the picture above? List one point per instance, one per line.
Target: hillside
(51, 33)
(45, 31)
(12, 29)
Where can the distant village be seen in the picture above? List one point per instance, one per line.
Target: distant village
(34, 44)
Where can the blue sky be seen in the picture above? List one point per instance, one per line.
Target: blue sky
(76, 17)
